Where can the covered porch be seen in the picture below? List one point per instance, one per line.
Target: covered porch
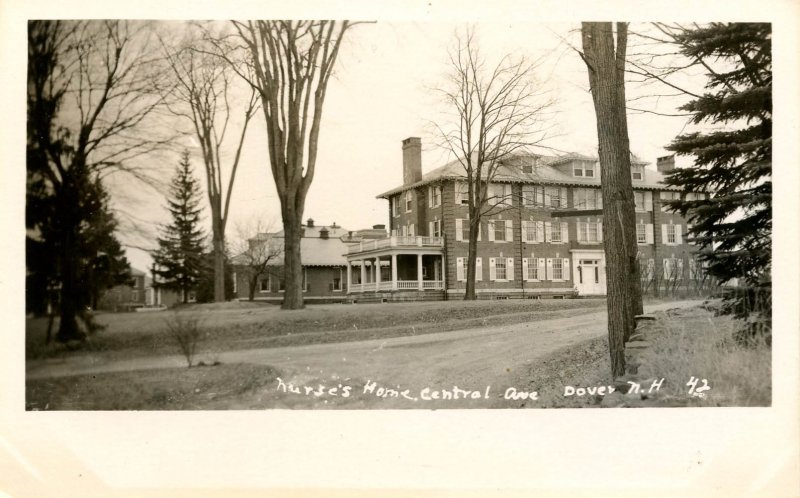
(396, 264)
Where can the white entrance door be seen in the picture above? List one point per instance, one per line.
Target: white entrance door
(590, 275)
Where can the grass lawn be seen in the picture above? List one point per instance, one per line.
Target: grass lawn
(199, 388)
(687, 343)
(244, 325)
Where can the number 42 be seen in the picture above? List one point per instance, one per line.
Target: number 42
(697, 391)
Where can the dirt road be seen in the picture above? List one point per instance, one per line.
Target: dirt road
(392, 373)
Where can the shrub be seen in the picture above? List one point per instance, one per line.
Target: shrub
(185, 331)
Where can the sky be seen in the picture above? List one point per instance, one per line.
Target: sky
(383, 91)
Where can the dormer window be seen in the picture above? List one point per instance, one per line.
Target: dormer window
(583, 169)
(637, 172)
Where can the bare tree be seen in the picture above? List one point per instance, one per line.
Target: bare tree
(93, 87)
(606, 67)
(289, 64)
(256, 251)
(494, 114)
(202, 96)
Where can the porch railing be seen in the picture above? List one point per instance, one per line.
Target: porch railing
(401, 285)
(396, 241)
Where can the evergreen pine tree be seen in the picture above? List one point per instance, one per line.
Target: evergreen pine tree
(178, 261)
(733, 163)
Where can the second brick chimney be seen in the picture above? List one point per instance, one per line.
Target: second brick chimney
(412, 160)
(665, 164)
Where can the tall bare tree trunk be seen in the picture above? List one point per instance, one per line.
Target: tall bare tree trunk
(472, 254)
(606, 76)
(293, 269)
(219, 260)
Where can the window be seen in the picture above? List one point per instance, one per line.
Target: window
(435, 228)
(695, 196)
(435, 196)
(336, 285)
(552, 197)
(666, 197)
(499, 230)
(527, 168)
(500, 269)
(558, 269)
(410, 230)
(396, 205)
(641, 233)
(499, 194)
(556, 232)
(637, 172)
(409, 200)
(532, 269)
(584, 169)
(587, 198)
(671, 236)
(465, 230)
(641, 201)
(530, 231)
(263, 285)
(462, 193)
(590, 232)
(529, 195)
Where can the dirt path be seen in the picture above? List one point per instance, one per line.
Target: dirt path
(471, 359)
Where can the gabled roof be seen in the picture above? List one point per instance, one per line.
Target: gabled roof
(544, 171)
(314, 250)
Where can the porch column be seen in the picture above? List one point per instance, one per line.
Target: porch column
(419, 271)
(363, 275)
(349, 269)
(378, 273)
(394, 271)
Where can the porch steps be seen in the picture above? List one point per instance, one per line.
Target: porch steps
(394, 297)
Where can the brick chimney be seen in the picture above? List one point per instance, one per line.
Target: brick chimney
(412, 160)
(665, 164)
(310, 223)
(323, 233)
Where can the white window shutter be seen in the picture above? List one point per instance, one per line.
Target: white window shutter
(525, 269)
(549, 268)
(492, 270)
(600, 231)
(566, 268)
(430, 229)
(648, 201)
(430, 197)
(679, 270)
(666, 268)
(648, 233)
(599, 196)
(563, 197)
(460, 270)
(540, 231)
(411, 230)
(540, 196)
(678, 237)
(510, 269)
(542, 275)
(479, 232)
(548, 235)
(581, 231)
(490, 228)
(664, 234)
(509, 231)
(564, 232)
(459, 229)
(478, 269)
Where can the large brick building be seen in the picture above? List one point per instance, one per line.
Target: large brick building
(523, 250)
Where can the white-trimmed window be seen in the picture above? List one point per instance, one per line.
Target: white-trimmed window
(587, 198)
(462, 193)
(590, 232)
(529, 195)
(695, 196)
(434, 196)
(396, 205)
(532, 269)
(409, 201)
(646, 273)
(462, 230)
(555, 197)
(411, 231)
(337, 283)
(584, 169)
(500, 230)
(533, 231)
(641, 233)
(637, 173)
(558, 269)
(671, 235)
(435, 228)
(643, 200)
(461, 269)
(500, 269)
(499, 194)
(666, 197)
(556, 232)
(263, 284)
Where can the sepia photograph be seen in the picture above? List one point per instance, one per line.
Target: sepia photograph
(286, 214)
(421, 248)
